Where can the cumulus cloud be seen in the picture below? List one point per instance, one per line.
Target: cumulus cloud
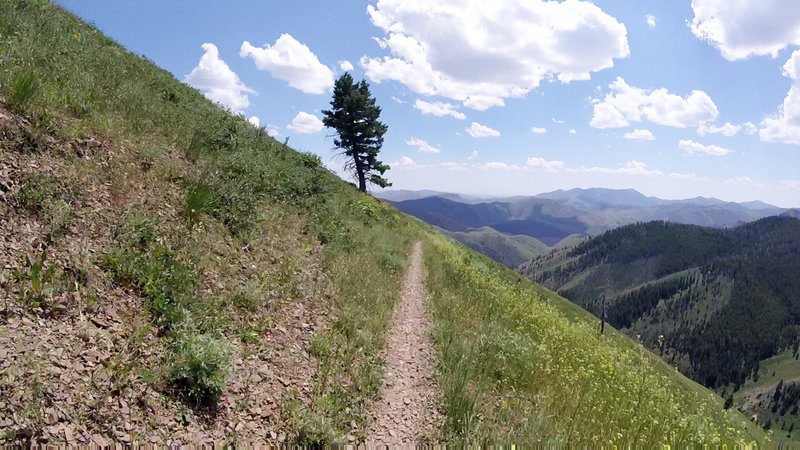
(405, 161)
(439, 109)
(784, 125)
(537, 162)
(255, 121)
(557, 120)
(473, 155)
(538, 130)
(750, 128)
(422, 146)
(728, 129)
(573, 131)
(346, 65)
(273, 131)
(477, 130)
(305, 123)
(480, 53)
(651, 20)
(692, 147)
(743, 28)
(626, 104)
(398, 100)
(641, 135)
(218, 82)
(291, 61)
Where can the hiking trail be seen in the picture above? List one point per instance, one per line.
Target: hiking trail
(407, 412)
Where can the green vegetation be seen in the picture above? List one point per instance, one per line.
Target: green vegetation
(714, 303)
(211, 268)
(36, 280)
(520, 365)
(354, 116)
(508, 250)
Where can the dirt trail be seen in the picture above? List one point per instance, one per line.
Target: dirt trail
(406, 412)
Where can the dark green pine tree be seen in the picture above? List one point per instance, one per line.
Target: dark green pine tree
(354, 116)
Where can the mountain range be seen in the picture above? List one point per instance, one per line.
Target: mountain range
(555, 216)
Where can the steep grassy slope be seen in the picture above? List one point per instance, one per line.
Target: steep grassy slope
(509, 250)
(521, 364)
(170, 274)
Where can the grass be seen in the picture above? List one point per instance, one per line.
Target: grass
(519, 365)
(215, 224)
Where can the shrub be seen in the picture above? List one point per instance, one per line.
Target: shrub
(200, 369)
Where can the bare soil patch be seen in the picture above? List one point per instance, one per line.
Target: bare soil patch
(407, 412)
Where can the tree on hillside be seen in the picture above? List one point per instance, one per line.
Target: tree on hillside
(354, 116)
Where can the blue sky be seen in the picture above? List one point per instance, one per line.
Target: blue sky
(676, 99)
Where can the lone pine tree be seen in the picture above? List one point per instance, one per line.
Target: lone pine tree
(354, 116)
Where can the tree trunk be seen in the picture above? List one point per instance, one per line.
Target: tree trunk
(362, 180)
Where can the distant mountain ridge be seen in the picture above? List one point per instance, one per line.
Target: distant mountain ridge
(552, 216)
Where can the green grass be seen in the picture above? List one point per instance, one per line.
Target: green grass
(509, 250)
(215, 223)
(520, 365)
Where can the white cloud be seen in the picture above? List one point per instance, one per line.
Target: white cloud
(651, 20)
(537, 130)
(399, 101)
(255, 121)
(291, 61)
(405, 161)
(273, 131)
(218, 82)
(750, 128)
(477, 130)
(630, 168)
(305, 123)
(473, 155)
(743, 28)
(439, 109)
(557, 120)
(422, 146)
(573, 131)
(745, 181)
(784, 125)
(480, 53)
(728, 129)
(346, 65)
(685, 176)
(625, 104)
(453, 165)
(537, 162)
(641, 135)
(498, 165)
(692, 147)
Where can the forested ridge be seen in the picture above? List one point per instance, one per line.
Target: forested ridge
(723, 299)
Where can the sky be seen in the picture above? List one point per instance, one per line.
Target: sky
(676, 99)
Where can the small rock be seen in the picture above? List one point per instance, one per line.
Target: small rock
(392, 433)
(407, 401)
(272, 434)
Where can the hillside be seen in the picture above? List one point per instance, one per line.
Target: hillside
(509, 250)
(713, 302)
(169, 274)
